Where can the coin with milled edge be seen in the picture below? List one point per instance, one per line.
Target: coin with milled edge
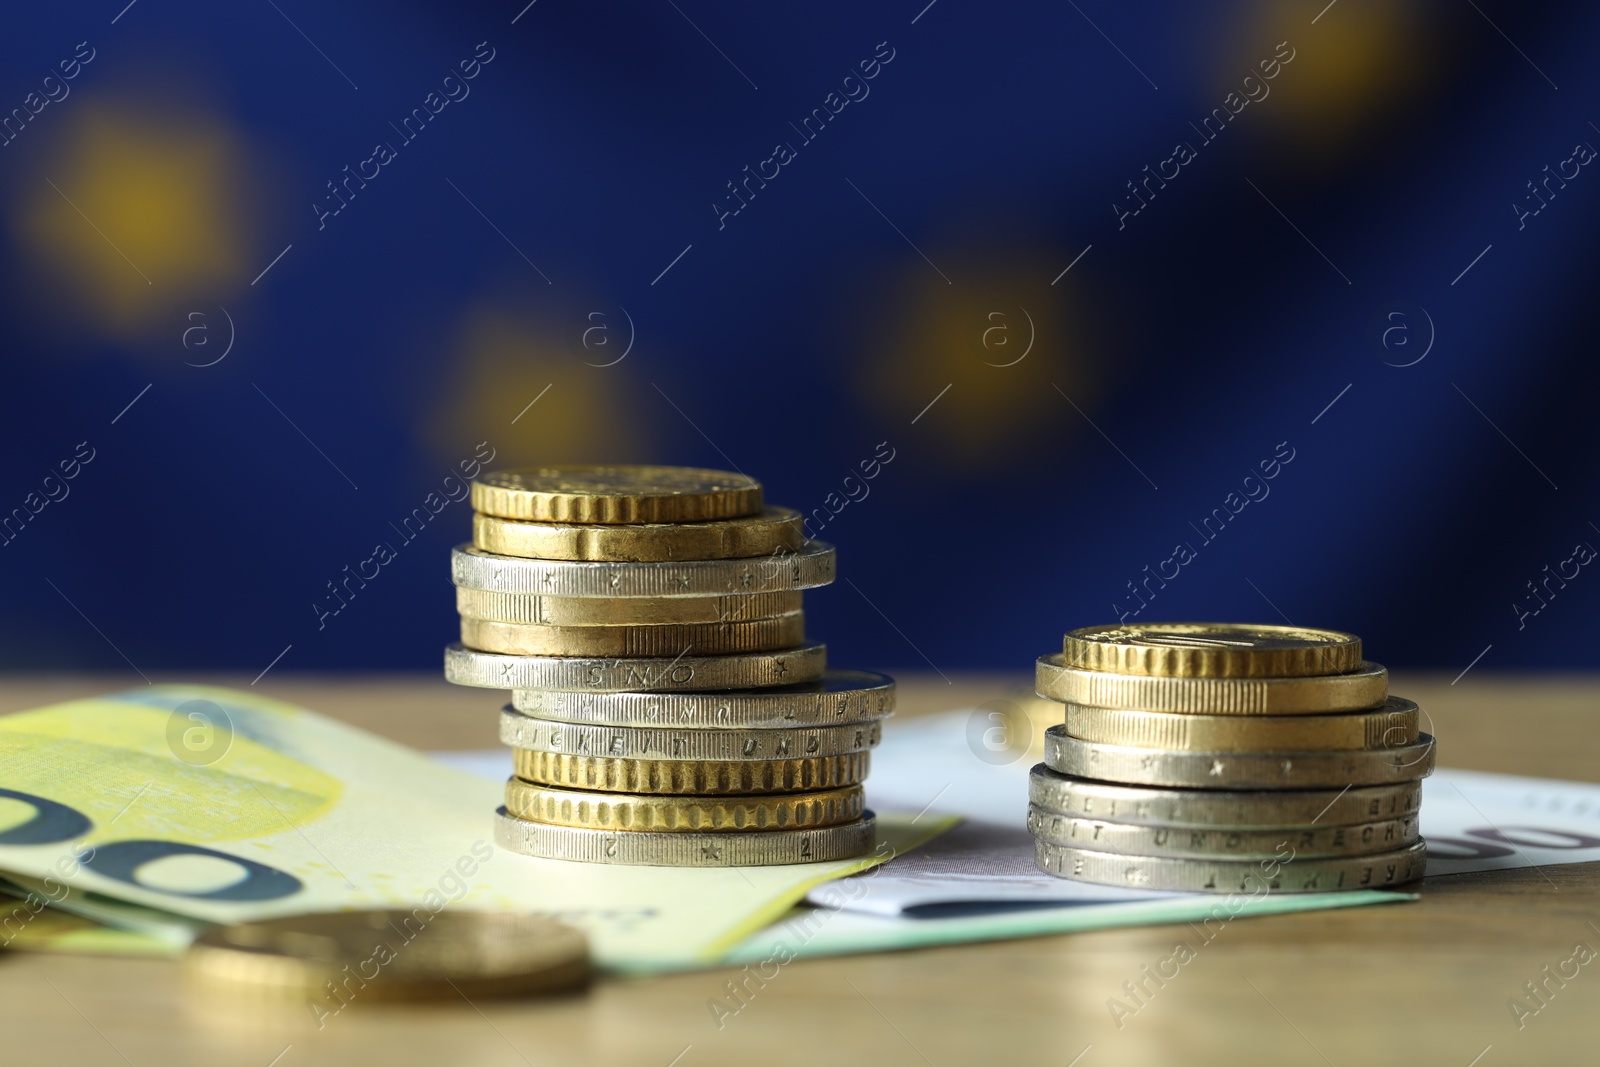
(750, 670)
(680, 777)
(702, 639)
(1232, 770)
(1154, 806)
(668, 814)
(839, 697)
(1211, 650)
(402, 955)
(622, 611)
(774, 530)
(1393, 725)
(615, 494)
(643, 848)
(1255, 878)
(674, 743)
(811, 566)
(1221, 842)
(1364, 687)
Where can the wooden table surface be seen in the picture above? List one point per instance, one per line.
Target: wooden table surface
(1413, 984)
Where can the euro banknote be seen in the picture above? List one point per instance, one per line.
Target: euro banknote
(222, 806)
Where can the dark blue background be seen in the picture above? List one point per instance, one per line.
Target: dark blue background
(815, 324)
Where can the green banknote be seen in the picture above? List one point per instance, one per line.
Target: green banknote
(220, 806)
(30, 923)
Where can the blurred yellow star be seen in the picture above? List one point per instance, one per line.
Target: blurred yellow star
(521, 383)
(979, 365)
(133, 210)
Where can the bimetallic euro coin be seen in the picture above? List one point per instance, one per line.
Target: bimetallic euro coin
(622, 611)
(674, 743)
(1285, 872)
(1364, 687)
(1234, 770)
(1393, 725)
(838, 697)
(733, 849)
(700, 639)
(749, 670)
(1085, 798)
(811, 566)
(1221, 842)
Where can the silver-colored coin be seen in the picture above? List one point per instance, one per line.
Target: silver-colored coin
(1285, 873)
(622, 611)
(748, 670)
(651, 742)
(1234, 770)
(734, 848)
(811, 566)
(1086, 799)
(1129, 839)
(838, 697)
(1311, 695)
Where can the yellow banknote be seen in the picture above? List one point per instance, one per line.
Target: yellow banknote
(222, 806)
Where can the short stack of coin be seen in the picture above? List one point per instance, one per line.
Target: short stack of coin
(666, 707)
(1227, 758)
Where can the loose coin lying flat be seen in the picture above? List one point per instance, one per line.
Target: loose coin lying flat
(675, 743)
(1232, 770)
(751, 670)
(735, 849)
(615, 494)
(1211, 650)
(1252, 877)
(400, 955)
(839, 697)
(622, 611)
(1364, 687)
(701, 639)
(638, 812)
(811, 566)
(1393, 725)
(1217, 842)
(683, 777)
(1088, 799)
(774, 530)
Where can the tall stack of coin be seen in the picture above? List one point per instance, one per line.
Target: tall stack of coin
(1227, 758)
(666, 707)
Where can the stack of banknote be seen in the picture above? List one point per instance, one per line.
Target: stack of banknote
(1227, 758)
(666, 708)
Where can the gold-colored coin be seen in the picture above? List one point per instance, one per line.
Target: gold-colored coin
(701, 639)
(634, 811)
(616, 494)
(706, 777)
(389, 955)
(1391, 726)
(774, 530)
(1314, 695)
(622, 611)
(1212, 650)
